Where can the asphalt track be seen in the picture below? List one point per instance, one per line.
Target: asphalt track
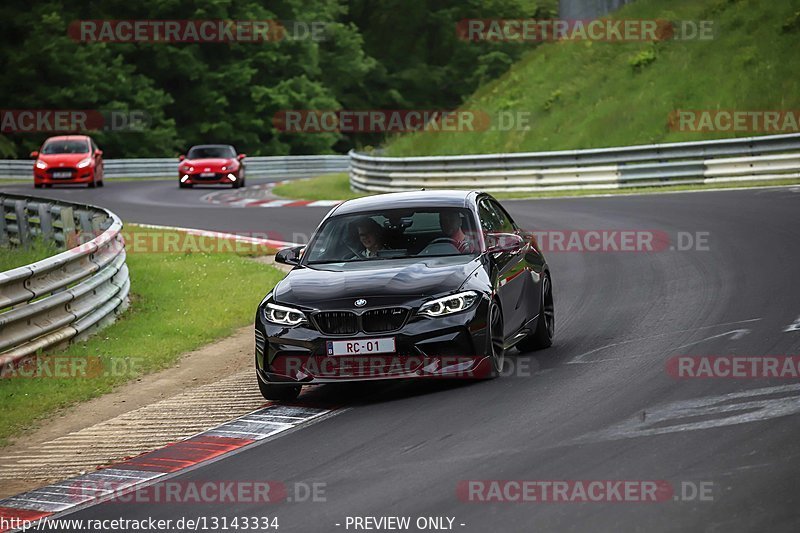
(598, 405)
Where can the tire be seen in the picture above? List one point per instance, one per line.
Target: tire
(37, 185)
(542, 337)
(285, 393)
(185, 185)
(100, 183)
(92, 184)
(495, 339)
(48, 185)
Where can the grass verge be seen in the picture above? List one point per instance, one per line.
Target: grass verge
(20, 256)
(327, 187)
(180, 300)
(337, 187)
(590, 94)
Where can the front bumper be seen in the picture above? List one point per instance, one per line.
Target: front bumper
(219, 177)
(446, 347)
(43, 177)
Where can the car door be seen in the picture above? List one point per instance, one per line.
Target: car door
(530, 269)
(509, 278)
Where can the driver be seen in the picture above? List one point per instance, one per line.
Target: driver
(450, 223)
(370, 234)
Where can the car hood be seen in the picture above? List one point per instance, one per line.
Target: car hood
(384, 282)
(63, 159)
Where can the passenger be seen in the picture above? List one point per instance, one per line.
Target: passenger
(370, 233)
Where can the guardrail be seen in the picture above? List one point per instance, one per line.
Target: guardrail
(70, 295)
(753, 158)
(276, 166)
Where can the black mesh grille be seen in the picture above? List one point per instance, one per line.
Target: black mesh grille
(374, 321)
(379, 320)
(215, 177)
(336, 322)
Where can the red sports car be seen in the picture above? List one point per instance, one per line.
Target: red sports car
(211, 163)
(73, 159)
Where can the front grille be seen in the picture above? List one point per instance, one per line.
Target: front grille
(379, 320)
(337, 322)
(373, 321)
(215, 177)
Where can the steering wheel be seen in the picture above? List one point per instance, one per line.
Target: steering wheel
(442, 240)
(356, 254)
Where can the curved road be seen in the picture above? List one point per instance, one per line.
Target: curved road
(599, 405)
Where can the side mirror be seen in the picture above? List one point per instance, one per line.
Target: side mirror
(181, 157)
(240, 156)
(35, 154)
(289, 256)
(98, 152)
(503, 242)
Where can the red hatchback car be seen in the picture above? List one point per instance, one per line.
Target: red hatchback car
(212, 164)
(73, 159)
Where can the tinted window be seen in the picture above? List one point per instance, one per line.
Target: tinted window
(506, 224)
(490, 222)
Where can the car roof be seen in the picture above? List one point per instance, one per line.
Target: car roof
(68, 138)
(432, 198)
(211, 146)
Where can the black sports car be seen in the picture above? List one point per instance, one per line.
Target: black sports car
(405, 285)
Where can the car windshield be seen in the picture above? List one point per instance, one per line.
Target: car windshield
(211, 152)
(66, 147)
(394, 234)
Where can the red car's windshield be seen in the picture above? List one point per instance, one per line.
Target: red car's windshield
(66, 147)
(211, 152)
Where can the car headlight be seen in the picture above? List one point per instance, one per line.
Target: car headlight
(285, 316)
(447, 305)
(41, 164)
(84, 163)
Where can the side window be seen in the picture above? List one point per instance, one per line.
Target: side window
(490, 223)
(94, 146)
(506, 224)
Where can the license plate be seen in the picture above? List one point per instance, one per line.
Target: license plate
(361, 346)
(207, 174)
(62, 174)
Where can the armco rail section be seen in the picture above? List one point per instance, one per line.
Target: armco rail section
(728, 160)
(279, 166)
(70, 295)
